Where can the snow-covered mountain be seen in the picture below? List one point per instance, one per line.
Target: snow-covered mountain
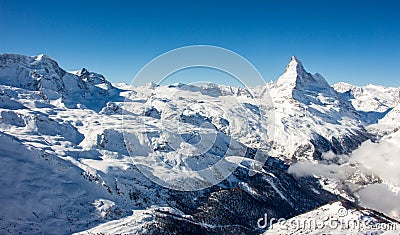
(66, 161)
(369, 98)
(372, 102)
(392, 118)
(296, 81)
(41, 73)
(336, 218)
(377, 105)
(311, 117)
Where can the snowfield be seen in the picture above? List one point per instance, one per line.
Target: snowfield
(79, 154)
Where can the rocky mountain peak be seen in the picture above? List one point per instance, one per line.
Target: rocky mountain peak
(83, 72)
(295, 66)
(296, 77)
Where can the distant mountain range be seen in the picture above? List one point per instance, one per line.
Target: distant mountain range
(68, 140)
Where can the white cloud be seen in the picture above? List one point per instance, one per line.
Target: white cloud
(326, 170)
(381, 159)
(380, 198)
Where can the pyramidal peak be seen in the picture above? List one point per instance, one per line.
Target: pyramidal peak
(295, 76)
(294, 65)
(294, 68)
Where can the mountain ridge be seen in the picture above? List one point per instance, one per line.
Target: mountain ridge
(70, 124)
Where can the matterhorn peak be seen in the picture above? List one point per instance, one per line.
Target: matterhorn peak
(295, 76)
(294, 59)
(294, 67)
(294, 72)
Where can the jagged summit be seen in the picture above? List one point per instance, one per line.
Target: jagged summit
(306, 88)
(36, 60)
(66, 130)
(294, 66)
(42, 73)
(296, 77)
(83, 72)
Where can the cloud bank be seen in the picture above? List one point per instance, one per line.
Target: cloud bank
(379, 159)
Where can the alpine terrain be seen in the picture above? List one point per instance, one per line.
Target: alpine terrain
(79, 154)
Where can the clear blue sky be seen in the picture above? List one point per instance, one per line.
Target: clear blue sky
(353, 41)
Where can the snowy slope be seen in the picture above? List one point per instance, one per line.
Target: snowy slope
(333, 218)
(370, 97)
(75, 170)
(66, 134)
(372, 102)
(306, 117)
(310, 116)
(44, 170)
(336, 218)
(41, 73)
(391, 120)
